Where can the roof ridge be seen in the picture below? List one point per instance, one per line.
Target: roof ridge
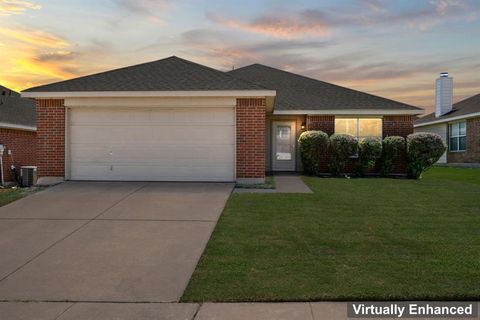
(182, 63)
(327, 83)
(99, 73)
(213, 69)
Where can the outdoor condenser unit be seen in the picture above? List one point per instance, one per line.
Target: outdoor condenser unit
(29, 175)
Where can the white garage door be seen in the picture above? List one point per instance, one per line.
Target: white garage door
(155, 144)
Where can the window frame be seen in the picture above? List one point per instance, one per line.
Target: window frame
(457, 137)
(357, 118)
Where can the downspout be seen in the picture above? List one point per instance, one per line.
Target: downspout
(1, 163)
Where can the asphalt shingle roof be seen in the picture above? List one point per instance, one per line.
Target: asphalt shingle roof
(4, 91)
(296, 92)
(461, 108)
(18, 111)
(169, 74)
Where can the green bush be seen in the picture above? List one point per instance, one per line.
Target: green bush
(423, 150)
(369, 150)
(312, 144)
(342, 147)
(393, 149)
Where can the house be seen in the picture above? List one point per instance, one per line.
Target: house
(18, 135)
(457, 124)
(175, 120)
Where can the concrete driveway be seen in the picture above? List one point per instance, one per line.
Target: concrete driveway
(110, 242)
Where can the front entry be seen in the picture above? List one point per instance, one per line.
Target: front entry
(283, 145)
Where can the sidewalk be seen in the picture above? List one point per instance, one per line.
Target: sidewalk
(172, 311)
(177, 311)
(283, 184)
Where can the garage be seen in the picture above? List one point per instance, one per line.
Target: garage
(165, 120)
(180, 143)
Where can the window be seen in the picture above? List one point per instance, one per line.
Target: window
(458, 136)
(359, 127)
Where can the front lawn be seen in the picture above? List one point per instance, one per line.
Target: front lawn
(353, 239)
(8, 195)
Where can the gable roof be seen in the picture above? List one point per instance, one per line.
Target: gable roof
(7, 92)
(462, 109)
(299, 93)
(169, 74)
(17, 113)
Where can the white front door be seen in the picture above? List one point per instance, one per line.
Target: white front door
(152, 144)
(283, 145)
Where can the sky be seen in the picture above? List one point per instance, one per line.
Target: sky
(390, 48)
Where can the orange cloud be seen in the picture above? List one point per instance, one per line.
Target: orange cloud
(37, 37)
(308, 23)
(9, 7)
(31, 57)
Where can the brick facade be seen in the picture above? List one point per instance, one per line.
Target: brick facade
(51, 138)
(397, 125)
(250, 114)
(472, 154)
(392, 125)
(22, 144)
(323, 123)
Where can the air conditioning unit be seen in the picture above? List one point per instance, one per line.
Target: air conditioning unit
(29, 175)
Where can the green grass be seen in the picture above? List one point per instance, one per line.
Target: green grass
(9, 195)
(353, 239)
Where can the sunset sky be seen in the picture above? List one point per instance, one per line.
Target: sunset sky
(390, 48)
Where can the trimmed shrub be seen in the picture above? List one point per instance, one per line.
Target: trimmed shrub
(423, 150)
(312, 144)
(369, 150)
(342, 148)
(393, 149)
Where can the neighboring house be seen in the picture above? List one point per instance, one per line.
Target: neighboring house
(175, 120)
(457, 124)
(17, 131)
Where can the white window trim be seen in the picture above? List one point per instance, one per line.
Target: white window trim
(457, 137)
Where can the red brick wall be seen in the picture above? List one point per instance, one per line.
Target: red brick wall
(323, 123)
(23, 146)
(398, 125)
(51, 138)
(472, 154)
(251, 137)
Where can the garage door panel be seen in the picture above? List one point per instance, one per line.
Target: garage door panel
(149, 173)
(147, 154)
(169, 117)
(150, 148)
(153, 134)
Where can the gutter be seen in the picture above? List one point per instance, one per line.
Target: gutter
(349, 112)
(446, 120)
(17, 126)
(136, 94)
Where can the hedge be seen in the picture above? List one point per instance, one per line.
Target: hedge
(423, 150)
(312, 144)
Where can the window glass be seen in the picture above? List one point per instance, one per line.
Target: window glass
(462, 145)
(370, 128)
(454, 130)
(359, 127)
(454, 144)
(346, 126)
(463, 128)
(283, 148)
(458, 136)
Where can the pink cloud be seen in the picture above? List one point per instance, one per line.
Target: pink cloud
(306, 23)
